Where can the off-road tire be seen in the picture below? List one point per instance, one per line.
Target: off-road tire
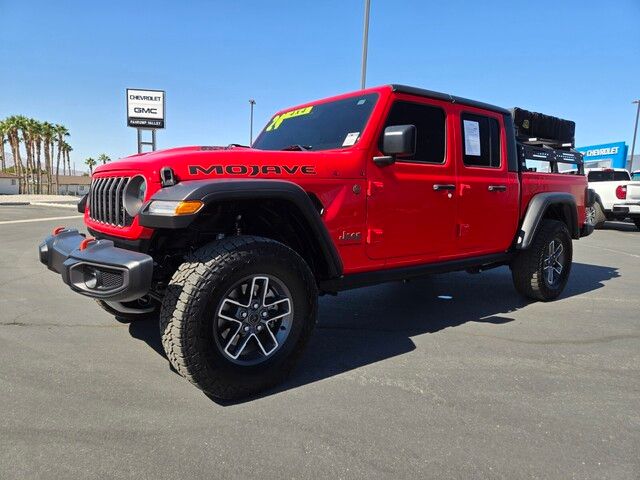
(527, 268)
(192, 298)
(600, 217)
(129, 317)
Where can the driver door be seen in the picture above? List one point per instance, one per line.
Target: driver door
(411, 204)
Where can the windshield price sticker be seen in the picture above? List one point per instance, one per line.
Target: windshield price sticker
(471, 138)
(350, 139)
(278, 119)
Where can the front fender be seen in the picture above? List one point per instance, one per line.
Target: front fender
(219, 190)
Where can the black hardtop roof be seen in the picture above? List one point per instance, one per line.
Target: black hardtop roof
(448, 98)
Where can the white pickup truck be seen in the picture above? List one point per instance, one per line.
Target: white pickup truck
(618, 197)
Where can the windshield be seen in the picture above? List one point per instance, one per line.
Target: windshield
(318, 127)
(608, 176)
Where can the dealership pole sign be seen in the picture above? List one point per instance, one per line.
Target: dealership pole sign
(145, 111)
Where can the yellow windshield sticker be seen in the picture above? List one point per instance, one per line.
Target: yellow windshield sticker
(278, 119)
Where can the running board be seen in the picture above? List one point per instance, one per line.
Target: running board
(365, 279)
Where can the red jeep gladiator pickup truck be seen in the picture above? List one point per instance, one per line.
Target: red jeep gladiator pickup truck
(230, 246)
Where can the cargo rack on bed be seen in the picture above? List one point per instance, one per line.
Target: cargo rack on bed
(531, 127)
(552, 152)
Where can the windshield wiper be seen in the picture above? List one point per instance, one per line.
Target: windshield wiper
(297, 147)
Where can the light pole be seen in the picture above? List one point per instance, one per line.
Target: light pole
(365, 41)
(635, 132)
(252, 102)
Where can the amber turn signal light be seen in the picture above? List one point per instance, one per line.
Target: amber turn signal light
(188, 207)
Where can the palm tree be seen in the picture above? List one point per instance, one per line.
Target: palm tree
(104, 158)
(90, 162)
(35, 141)
(68, 149)
(3, 140)
(60, 132)
(38, 138)
(24, 126)
(47, 139)
(12, 128)
(65, 148)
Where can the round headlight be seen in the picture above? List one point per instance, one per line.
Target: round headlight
(134, 194)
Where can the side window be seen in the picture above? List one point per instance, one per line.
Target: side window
(480, 141)
(430, 130)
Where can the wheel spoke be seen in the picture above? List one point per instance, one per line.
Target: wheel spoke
(259, 289)
(558, 251)
(266, 351)
(284, 301)
(558, 267)
(550, 275)
(236, 336)
(229, 303)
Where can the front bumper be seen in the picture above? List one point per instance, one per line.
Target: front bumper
(97, 269)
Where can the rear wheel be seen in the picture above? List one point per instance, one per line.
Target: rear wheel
(541, 272)
(636, 220)
(597, 214)
(237, 315)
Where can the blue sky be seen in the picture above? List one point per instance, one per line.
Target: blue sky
(70, 62)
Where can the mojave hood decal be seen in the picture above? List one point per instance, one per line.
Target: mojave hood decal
(252, 170)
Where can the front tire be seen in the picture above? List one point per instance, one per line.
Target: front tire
(237, 315)
(541, 272)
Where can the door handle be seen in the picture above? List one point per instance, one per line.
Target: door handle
(438, 186)
(497, 188)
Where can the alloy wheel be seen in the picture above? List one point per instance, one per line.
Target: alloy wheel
(553, 263)
(253, 320)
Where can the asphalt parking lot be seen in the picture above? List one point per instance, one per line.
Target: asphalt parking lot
(399, 380)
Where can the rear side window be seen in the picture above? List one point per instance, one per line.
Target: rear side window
(480, 141)
(430, 130)
(608, 176)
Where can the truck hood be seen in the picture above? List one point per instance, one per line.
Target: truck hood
(201, 162)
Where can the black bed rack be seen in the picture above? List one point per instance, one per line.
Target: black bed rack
(551, 151)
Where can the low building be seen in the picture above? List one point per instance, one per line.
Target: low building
(77, 185)
(8, 184)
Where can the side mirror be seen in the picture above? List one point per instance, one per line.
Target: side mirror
(398, 140)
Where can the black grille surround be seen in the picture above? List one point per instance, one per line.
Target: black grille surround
(106, 201)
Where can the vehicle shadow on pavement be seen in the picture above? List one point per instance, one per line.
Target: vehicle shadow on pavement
(367, 325)
(619, 226)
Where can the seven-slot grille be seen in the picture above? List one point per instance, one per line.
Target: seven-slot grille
(106, 201)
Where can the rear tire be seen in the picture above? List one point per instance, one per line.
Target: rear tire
(599, 217)
(541, 272)
(636, 220)
(213, 332)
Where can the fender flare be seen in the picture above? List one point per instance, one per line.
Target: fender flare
(538, 205)
(218, 190)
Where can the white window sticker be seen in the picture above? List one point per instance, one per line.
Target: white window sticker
(471, 138)
(350, 139)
